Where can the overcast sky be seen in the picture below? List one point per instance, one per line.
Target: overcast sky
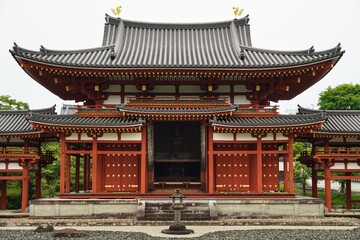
(275, 24)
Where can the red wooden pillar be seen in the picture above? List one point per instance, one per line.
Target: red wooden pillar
(94, 167)
(286, 170)
(38, 182)
(143, 173)
(25, 186)
(348, 192)
(327, 175)
(3, 201)
(258, 167)
(67, 172)
(77, 173)
(291, 163)
(62, 163)
(314, 181)
(211, 173)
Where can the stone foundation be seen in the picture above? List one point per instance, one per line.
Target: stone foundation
(231, 208)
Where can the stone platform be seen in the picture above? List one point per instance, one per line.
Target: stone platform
(211, 207)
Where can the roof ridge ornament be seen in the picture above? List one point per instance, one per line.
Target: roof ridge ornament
(338, 47)
(311, 50)
(112, 54)
(16, 47)
(242, 54)
(116, 11)
(43, 50)
(237, 11)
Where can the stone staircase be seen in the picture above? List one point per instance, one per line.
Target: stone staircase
(161, 210)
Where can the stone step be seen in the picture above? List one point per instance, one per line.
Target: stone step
(160, 210)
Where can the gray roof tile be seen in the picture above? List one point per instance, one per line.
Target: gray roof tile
(129, 44)
(337, 121)
(16, 122)
(276, 121)
(76, 120)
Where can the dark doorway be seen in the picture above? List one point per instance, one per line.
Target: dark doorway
(177, 154)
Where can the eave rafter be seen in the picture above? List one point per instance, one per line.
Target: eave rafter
(297, 130)
(85, 129)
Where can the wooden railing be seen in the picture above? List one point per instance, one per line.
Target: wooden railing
(106, 110)
(332, 151)
(24, 152)
(169, 100)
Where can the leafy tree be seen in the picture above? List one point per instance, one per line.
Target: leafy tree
(301, 172)
(341, 97)
(8, 103)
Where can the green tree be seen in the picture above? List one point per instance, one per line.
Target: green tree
(342, 97)
(8, 103)
(301, 172)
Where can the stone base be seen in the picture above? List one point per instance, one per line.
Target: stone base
(177, 229)
(218, 207)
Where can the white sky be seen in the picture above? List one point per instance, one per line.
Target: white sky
(275, 24)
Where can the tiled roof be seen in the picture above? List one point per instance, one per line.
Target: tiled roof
(129, 44)
(16, 122)
(76, 120)
(337, 121)
(275, 121)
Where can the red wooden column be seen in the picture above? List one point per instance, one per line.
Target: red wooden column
(77, 173)
(3, 201)
(62, 163)
(314, 181)
(291, 163)
(94, 166)
(327, 175)
(286, 170)
(348, 192)
(259, 174)
(67, 172)
(143, 172)
(38, 182)
(85, 167)
(211, 173)
(25, 186)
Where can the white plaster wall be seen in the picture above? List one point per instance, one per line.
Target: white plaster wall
(222, 89)
(113, 89)
(353, 140)
(280, 136)
(338, 166)
(73, 136)
(14, 166)
(241, 100)
(190, 89)
(113, 99)
(131, 136)
(2, 139)
(16, 140)
(244, 137)
(353, 166)
(163, 89)
(223, 136)
(241, 88)
(2, 166)
(109, 136)
(269, 136)
(336, 140)
(84, 136)
(131, 88)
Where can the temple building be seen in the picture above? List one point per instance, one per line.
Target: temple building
(164, 106)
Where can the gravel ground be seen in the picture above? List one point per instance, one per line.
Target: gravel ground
(238, 235)
(282, 221)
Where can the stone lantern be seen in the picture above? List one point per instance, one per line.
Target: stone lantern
(177, 227)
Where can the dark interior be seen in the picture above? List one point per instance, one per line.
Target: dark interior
(177, 151)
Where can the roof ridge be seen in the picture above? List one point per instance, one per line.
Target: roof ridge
(309, 51)
(43, 50)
